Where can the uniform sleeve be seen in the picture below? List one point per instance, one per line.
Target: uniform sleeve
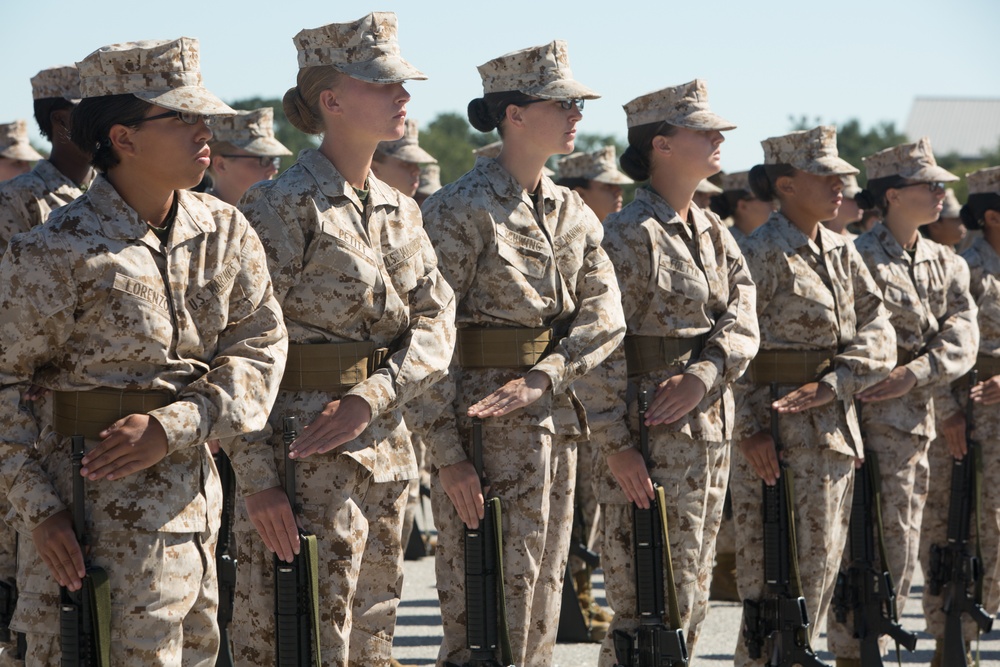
(952, 351)
(283, 240)
(748, 397)
(735, 338)
(599, 324)
(425, 350)
(236, 394)
(14, 216)
(457, 242)
(628, 248)
(36, 318)
(606, 404)
(869, 357)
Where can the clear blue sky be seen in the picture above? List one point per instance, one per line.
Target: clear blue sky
(763, 61)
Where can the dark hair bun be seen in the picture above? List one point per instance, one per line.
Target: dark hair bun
(969, 218)
(866, 200)
(634, 164)
(760, 184)
(720, 205)
(480, 116)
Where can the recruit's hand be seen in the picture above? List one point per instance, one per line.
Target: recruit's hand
(954, 434)
(462, 485)
(341, 421)
(131, 444)
(272, 516)
(512, 396)
(630, 470)
(763, 457)
(675, 397)
(900, 381)
(56, 543)
(987, 392)
(807, 396)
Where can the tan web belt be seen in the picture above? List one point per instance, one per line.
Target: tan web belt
(790, 366)
(330, 366)
(502, 347)
(87, 413)
(647, 354)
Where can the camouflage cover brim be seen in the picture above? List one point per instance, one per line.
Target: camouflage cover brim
(267, 146)
(384, 69)
(931, 173)
(826, 166)
(195, 99)
(21, 151)
(563, 89)
(412, 153)
(613, 177)
(703, 120)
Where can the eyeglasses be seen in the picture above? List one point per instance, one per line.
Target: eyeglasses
(263, 161)
(187, 117)
(932, 187)
(566, 105)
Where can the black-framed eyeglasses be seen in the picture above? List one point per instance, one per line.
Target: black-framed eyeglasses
(934, 186)
(566, 105)
(263, 161)
(187, 117)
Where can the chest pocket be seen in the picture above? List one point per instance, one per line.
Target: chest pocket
(682, 278)
(137, 322)
(524, 254)
(900, 297)
(342, 270)
(807, 284)
(405, 266)
(570, 249)
(210, 304)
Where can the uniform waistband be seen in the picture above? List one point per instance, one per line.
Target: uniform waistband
(331, 366)
(87, 413)
(790, 366)
(647, 354)
(502, 347)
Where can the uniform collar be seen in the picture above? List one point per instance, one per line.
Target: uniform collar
(893, 248)
(666, 214)
(120, 221)
(55, 181)
(795, 239)
(506, 187)
(332, 184)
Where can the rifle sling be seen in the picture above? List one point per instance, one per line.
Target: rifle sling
(977, 489)
(793, 545)
(674, 608)
(98, 592)
(872, 470)
(311, 553)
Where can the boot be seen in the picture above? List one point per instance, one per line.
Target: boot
(848, 662)
(938, 659)
(597, 617)
(723, 588)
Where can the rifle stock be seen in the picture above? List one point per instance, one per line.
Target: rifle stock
(84, 615)
(296, 604)
(225, 561)
(653, 644)
(780, 615)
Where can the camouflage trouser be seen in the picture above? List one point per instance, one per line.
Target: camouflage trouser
(902, 460)
(824, 481)
(585, 500)
(413, 491)
(164, 599)
(934, 529)
(358, 524)
(694, 475)
(532, 472)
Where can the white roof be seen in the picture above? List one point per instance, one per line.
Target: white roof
(969, 127)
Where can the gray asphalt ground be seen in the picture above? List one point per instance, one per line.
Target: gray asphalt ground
(418, 630)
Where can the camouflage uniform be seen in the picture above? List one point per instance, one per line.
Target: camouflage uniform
(374, 264)
(513, 264)
(678, 284)
(984, 267)
(27, 200)
(927, 296)
(94, 299)
(810, 295)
